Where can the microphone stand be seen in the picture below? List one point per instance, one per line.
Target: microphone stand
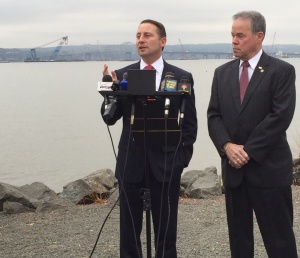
(146, 194)
(146, 197)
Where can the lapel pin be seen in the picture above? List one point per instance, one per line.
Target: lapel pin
(261, 69)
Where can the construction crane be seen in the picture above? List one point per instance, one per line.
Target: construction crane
(182, 56)
(32, 57)
(273, 51)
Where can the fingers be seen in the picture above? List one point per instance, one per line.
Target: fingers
(236, 155)
(235, 164)
(114, 76)
(113, 73)
(105, 70)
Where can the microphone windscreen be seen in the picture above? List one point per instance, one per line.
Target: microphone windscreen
(107, 78)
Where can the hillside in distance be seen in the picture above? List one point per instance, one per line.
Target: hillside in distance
(127, 51)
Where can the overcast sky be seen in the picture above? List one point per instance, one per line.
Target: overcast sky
(32, 23)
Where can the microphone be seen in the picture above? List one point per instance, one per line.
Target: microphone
(110, 103)
(124, 82)
(168, 83)
(167, 107)
(184, 85)
(106, 83)
(132, 111)
(182, 110)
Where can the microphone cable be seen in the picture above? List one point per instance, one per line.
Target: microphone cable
(169, 184)
(107, 216)
(168, 192)
(147, 183)
(122, 190)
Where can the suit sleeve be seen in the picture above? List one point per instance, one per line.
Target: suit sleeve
(190, 124)
(216, 128)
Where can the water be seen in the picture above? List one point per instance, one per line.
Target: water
(51, 129)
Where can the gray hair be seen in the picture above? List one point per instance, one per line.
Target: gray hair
(258, 22)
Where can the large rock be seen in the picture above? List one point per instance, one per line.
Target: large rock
(38, 191)
(29, 198)
(15, 208)
(206, 185)
(13, 194)
(105, 177)
(189, 177)
(95, 186)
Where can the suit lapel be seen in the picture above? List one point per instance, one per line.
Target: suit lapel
(235, 86)
(259, 72)
(167, 68)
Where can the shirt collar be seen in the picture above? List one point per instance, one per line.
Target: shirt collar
(254, 60)
(158, 65)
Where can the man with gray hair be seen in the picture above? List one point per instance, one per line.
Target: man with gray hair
(251, 106)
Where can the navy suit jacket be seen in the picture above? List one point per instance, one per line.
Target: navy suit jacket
(259, 123)
(160, 147)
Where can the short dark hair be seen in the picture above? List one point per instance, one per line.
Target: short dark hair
(258, 22)
(160, 27)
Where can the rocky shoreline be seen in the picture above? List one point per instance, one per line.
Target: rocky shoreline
(37, 222)
(72, 231)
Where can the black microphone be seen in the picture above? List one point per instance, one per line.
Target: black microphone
(167, 107)
(182, 110)
(106, 83)
(185, 87)
(132, 112)
(110, 103)
(168, 83)
(107, 78)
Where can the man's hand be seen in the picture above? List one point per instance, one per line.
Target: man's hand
(236, 155)
(113, 73)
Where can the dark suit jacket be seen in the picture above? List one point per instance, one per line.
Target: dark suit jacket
(259, 124)
(132, 169)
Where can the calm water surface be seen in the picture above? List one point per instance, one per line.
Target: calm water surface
(51, 129)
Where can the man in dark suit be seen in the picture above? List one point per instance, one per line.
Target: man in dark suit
(164, 155)
(249, 133)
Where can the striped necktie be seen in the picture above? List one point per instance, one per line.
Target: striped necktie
(244, 79)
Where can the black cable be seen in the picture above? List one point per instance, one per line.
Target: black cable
(107, 216)
(163, 187)
(168, 192)
(147, 204)
(122, 187)
(169, 184)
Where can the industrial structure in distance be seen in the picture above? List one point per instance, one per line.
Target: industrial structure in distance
(64, 52)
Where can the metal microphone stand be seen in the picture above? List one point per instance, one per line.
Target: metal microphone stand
(146, 196)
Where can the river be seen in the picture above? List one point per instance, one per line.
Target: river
(51, 129)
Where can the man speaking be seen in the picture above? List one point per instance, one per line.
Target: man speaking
(164, 155)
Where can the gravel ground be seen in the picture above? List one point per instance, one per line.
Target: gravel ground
(202, 231)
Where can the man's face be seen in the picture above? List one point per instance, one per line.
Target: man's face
(245, 44)
(148, 42)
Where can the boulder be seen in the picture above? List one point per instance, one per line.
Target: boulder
(13, 194)
(189, 177)
(15, 207)
(38, 191)
(207, 185)
(95, 186)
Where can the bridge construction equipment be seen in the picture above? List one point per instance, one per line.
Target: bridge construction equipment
(32, 56)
